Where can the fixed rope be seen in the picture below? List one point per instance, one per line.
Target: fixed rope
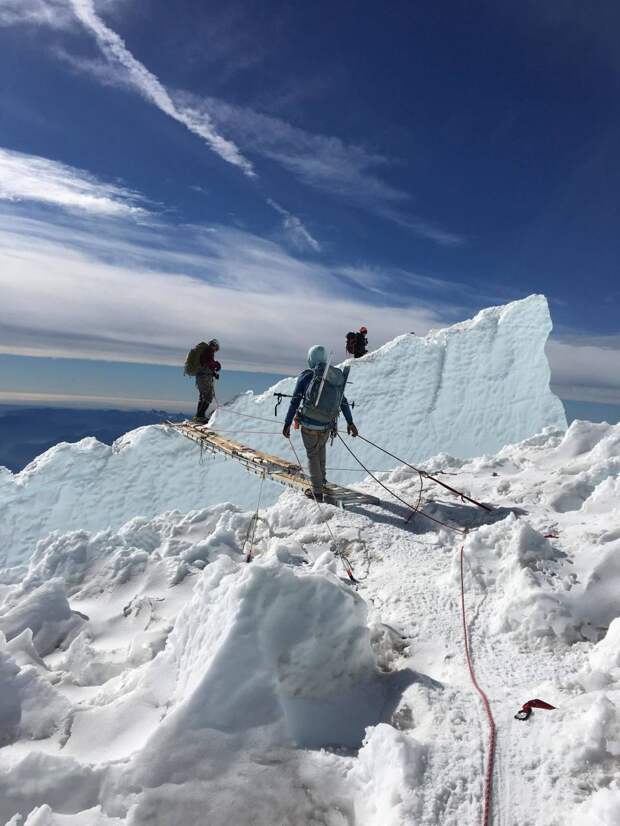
(208, 429)
(227, 409)
(428, 475)
(346, 563)
(488, 782)
(413, 509)
(253, 524)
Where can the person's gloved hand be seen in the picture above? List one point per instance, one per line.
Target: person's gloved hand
(216, 375)
(286, 431)
(352, 430)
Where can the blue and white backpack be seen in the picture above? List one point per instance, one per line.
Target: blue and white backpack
(323, 396)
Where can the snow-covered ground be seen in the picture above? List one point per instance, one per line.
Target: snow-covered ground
(149, 676)
(152, 677)
(465, 390)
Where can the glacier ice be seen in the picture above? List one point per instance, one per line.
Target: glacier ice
(465, 390)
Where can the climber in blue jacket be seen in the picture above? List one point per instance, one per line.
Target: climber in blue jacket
(315, 431)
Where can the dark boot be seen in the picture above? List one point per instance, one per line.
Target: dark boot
(200, 412)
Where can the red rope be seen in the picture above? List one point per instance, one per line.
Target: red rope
(488, 784)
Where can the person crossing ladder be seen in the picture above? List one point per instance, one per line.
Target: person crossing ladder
(201, 364)
(320, 394)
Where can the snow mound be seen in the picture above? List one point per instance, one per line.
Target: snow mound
(262, 658)
(45, 612)
(44, 816)
(30, 707)
(466, 390)
(197, 688)
(602, 809)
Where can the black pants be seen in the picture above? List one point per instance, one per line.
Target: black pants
(204, 383)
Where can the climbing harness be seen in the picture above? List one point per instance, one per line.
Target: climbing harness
(488, 783)
(526, 709)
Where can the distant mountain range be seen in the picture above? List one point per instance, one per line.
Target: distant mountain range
(26, 432)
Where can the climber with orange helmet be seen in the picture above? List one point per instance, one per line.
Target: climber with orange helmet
(357, 343)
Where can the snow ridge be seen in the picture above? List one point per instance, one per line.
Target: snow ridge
(148, 674)
(466, 390)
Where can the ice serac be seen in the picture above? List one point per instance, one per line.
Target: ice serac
(465, 390)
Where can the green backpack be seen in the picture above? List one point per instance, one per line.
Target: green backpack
(192, 362)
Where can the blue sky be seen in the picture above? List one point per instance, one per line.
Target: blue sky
(275, 174)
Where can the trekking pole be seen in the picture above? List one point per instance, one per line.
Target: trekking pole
(428, 476)
(327, 366)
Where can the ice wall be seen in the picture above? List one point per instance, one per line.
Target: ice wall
(466, 390)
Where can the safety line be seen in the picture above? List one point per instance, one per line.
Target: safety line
(400, 499)
(226, 409)
(427, 475)
(209, 429)
(248, 557)
(343, 557)
(488, 783)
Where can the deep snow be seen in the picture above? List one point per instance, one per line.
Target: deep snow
(193, 685)
(148, 675)
(465, 390)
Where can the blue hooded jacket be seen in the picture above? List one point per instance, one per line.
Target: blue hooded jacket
(316, 355)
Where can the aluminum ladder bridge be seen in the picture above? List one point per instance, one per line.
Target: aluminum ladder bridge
(270, 467)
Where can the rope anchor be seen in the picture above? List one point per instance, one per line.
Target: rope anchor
(526, 709)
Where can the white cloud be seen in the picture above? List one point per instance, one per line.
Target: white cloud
(324, 162)
(294, 230)
(144, 81)
(32, 178)
(83, 400)
(106, 73)
(127, 293)
(53, 13)
(585, 371)
(62, 299)
(321, 161)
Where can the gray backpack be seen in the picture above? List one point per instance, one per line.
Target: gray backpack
(324, 394)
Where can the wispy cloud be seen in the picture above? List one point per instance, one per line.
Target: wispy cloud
(66, 298)
(53, 13)
(31, 178)
(84, 400)
(585, 369)
(123, 291)
(294, 230)
(321, 161)
(346, 171)
(149, 86)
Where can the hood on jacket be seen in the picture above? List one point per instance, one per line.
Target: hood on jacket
(317, 355)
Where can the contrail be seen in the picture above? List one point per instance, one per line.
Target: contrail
(114, 48)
